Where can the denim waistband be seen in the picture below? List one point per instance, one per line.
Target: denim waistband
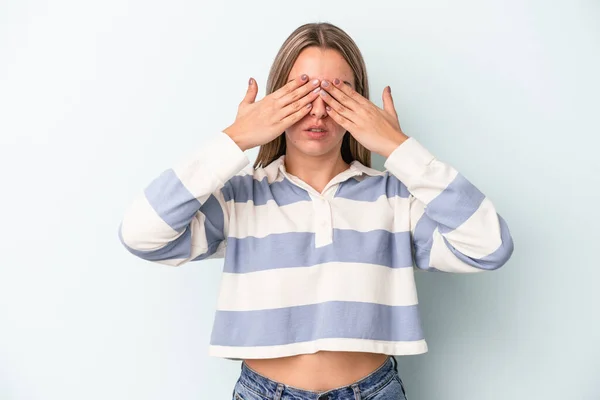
(359, 389)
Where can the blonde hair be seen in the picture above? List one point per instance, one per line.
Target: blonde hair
(326, 36)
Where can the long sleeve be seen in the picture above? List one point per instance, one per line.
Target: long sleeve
(454, 227)
(182, 215)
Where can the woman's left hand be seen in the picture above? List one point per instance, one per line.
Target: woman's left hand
(375, 128)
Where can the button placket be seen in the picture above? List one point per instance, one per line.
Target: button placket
(322, 202)
(323, 221)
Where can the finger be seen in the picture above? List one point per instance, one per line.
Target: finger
(290, 86)
(344, 93)
(337, 106)
(340, 119)
(251, 92)
(308, 98)
(388, 102)
(298, 93)
(295, 117)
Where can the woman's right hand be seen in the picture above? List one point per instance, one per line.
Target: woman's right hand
(258, 123)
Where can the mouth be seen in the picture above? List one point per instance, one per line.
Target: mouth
(316, 132)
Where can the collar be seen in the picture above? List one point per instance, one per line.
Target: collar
(277, 168)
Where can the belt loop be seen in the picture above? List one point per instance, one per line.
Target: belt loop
(395, 362)
(278, 391)
(357, 395)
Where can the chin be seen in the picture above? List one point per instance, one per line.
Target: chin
(316, 152)
(315, 147)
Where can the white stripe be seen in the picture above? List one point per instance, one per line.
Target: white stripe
(260, 221)
(417, 209)
(442, 258)
(433, 182)
(143, 229)
(424, 175)
(173, 262)
(198, 181)
(204, 170)
(310, 347)
(479, 235)
(339, 281)
(385, 213)
(199, 242)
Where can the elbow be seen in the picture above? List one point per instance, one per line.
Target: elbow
(497, 257)
(135, 238)
(500, 256)
(136, 242)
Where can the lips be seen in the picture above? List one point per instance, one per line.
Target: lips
(316, 134)
(321, 128)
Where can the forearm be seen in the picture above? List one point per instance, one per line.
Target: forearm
(455, 227)
(182, 208)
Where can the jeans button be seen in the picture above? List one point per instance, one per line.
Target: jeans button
(324, 397)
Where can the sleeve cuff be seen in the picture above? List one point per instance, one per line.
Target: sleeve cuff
(220, 156)
(409, 161)
(224, 157)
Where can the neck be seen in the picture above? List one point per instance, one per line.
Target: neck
(316, 171)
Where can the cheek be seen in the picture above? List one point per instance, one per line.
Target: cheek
(297, 125)
(293, 130)
(339, 130)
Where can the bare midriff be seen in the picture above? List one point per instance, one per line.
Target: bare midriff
(321, 371)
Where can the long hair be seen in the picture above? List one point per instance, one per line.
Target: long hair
(326, 36)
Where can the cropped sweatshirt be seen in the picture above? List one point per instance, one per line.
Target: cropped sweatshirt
(303, 270)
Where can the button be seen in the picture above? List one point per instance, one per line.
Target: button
(324, 397)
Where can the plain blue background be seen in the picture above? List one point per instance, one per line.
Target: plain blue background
(97, 98)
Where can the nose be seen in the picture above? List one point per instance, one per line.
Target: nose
(318, 108)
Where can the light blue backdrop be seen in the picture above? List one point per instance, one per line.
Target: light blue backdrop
(97, 98)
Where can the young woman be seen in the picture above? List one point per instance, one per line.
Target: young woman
(317, 294)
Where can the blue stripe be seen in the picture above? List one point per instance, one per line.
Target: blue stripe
(372, 187)
(455, 204)
(297, 249)
(422, 241)
(242, 189)
(494, 260)
(214, 224)
(334, 319)
(422, 257)
(171, 200)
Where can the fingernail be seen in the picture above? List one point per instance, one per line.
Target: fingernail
(315, 82)
(336, 81)
(328, 108)
(389, 89)
(317, 90)
(250, 81)
(304, 77)
(309, 105)
(325, 83)
(323, 93)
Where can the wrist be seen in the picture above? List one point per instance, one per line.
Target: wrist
(236, 136)
(393, 142)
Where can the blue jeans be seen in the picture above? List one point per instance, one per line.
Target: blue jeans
(382, 384)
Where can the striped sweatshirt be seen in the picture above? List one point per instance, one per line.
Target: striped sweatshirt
(305, 271)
